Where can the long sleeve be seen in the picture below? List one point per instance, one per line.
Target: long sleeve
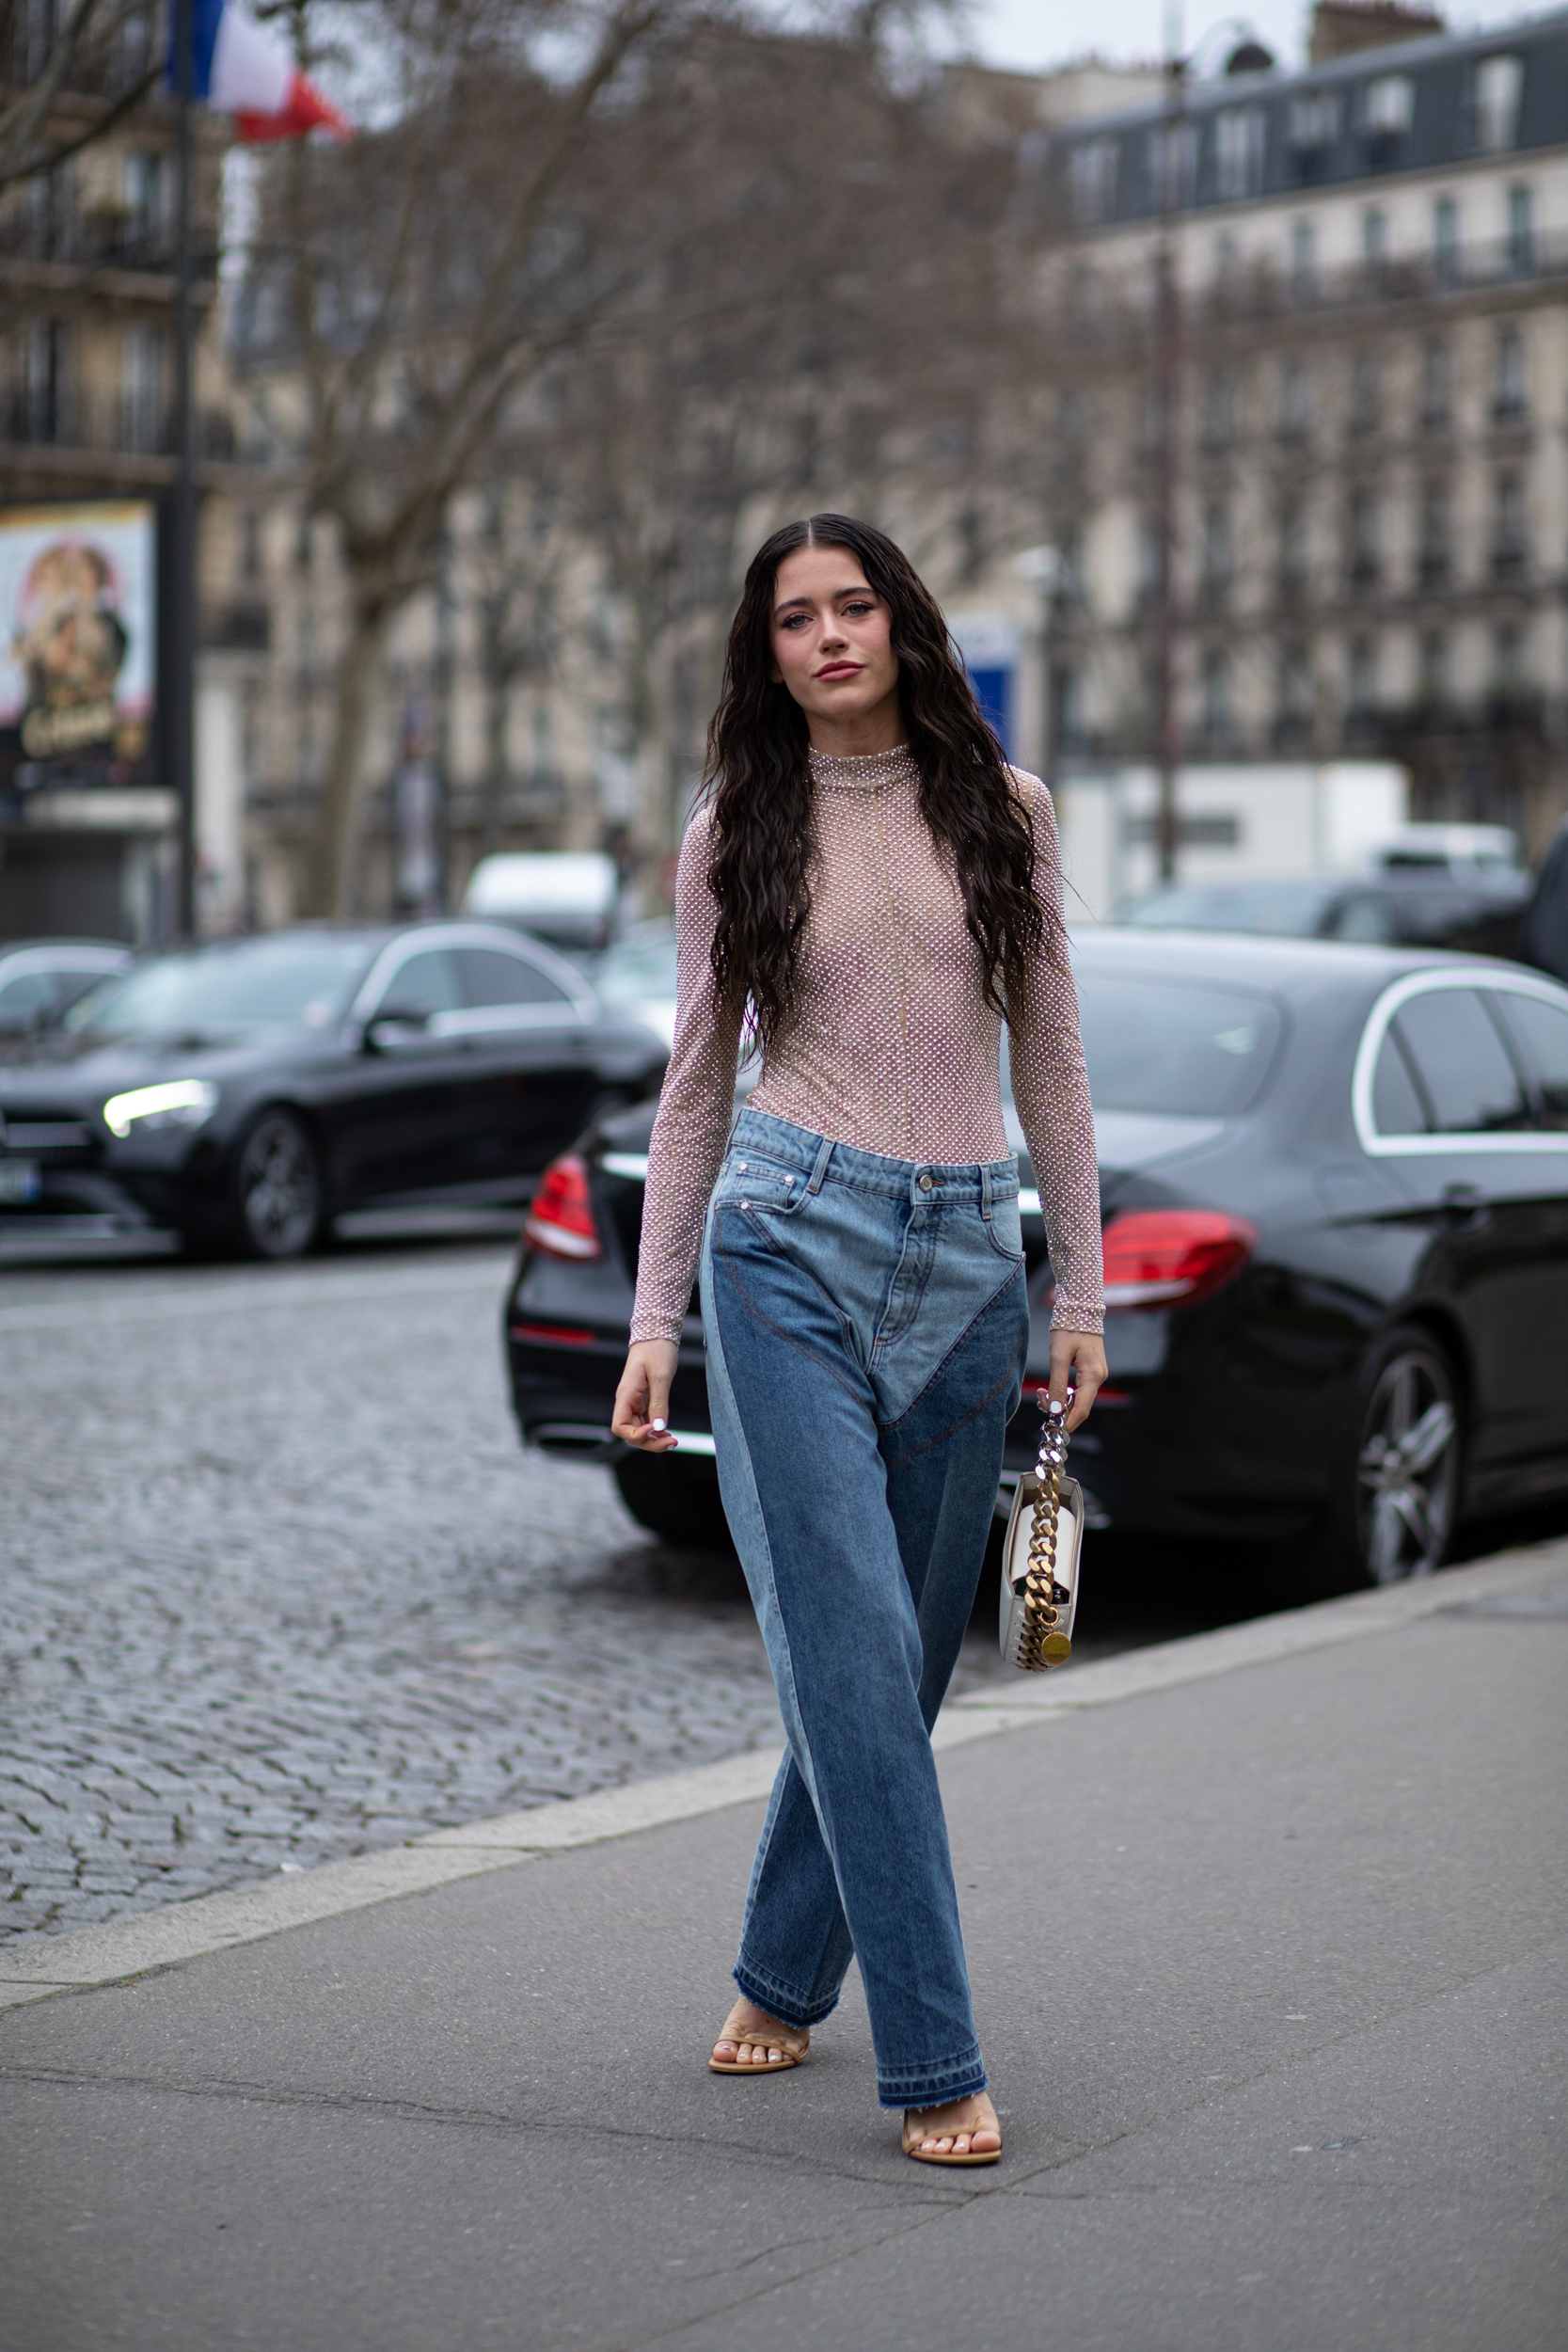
(1050, 1088)
(695, 1107)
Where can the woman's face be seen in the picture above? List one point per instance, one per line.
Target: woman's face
(833, 641)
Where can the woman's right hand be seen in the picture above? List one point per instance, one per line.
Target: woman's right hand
(641, 1415)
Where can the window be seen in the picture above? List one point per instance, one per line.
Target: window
(1437, 386)
(1437, 532)
(1463, 1072)
(1521, 230)
(1361, 694)
(1227, 260)
(144, 189)
(1092, 176)
(1506, 658)
(1366, 537)
(1397, 1108)
(1366, 392)
(1498, 84)
(1295, 400)
(1073, 417)
(1292, 543)
(1302, 256)
(1151, 563)
(1389, 106)
(45, 374)
(1374, 236)
(426, 983)
(491, 976)
(1173, 163)
(1433, 665)
(1314, 122)
(1218, 549)
(1295, 692)
(1511, 391)
(250, 544)
(1216, 692)
(1219, 410)
(1541, 1029)
(1238, 152)
(1509, 540)
(141, 389)
(1204, 1052)
(1445, 239)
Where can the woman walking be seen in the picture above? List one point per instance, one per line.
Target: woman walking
(871, 890)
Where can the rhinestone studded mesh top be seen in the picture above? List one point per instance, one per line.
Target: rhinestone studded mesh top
(891, 1045)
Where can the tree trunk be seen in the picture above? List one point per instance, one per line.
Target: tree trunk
(331, 884)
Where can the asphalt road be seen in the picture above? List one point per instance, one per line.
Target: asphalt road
(280, 1584)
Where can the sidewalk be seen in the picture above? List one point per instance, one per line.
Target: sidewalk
(1267, 1931)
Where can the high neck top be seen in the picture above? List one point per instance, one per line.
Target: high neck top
(891, 1044)
(868, 771)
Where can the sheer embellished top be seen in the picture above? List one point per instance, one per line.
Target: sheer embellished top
(891, 1044)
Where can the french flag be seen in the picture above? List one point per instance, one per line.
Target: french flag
(246, 70)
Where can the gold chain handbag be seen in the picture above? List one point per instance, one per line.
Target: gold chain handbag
(1040, 1558)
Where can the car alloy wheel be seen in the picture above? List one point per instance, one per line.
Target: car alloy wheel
(1407, 1462)
(277, 1187)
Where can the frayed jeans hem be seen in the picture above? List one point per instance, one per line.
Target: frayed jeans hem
(933, 2088)
(779, 2000)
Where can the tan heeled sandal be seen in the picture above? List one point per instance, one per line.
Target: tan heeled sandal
(915, 2133)
(793, 2042)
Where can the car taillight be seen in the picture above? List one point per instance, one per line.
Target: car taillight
(1170, 1257)
(560, 1221)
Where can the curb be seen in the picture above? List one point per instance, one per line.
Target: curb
(118, 1949)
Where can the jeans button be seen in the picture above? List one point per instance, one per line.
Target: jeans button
(924, 1183)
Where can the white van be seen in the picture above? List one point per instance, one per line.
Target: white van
(563, 896)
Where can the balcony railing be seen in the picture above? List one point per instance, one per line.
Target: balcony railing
(96, 241)
(128, 427)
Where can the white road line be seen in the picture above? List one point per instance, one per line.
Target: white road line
(243, 1914)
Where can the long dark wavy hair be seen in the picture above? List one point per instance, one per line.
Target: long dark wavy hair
(758, 782)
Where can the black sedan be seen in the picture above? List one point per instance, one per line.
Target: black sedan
(1335, 1190)
(250, 1091)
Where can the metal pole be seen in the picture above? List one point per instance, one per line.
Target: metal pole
(178, 720)
(1168, 380)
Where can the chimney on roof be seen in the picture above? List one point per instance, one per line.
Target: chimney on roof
(1341, 28)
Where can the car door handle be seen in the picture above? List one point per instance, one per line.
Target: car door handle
(1463, 1204)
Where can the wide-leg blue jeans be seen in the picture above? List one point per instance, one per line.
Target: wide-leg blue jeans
(867, 1327)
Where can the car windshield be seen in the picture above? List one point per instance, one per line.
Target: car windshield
(640, 964)
(1159, 1045)
(1290, 909)
(253, 983)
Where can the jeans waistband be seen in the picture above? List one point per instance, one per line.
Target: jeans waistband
(824, 1161)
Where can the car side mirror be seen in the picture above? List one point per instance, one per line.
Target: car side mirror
(390, 1024)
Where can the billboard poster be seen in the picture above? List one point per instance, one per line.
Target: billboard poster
(78, 652)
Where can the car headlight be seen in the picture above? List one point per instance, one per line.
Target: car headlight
(183, 1102)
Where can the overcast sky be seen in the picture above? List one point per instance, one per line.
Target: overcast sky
(1043, 32)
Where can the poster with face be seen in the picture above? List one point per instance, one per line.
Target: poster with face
(77, 644)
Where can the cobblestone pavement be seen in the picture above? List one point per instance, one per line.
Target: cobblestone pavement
(280, 1584)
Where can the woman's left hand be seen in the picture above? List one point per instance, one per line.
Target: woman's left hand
(1079, 1356)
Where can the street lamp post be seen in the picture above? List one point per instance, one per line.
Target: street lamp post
(180, 669)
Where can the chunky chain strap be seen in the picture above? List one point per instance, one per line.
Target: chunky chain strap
(1043, 1642)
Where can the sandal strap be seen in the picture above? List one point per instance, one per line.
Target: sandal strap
(795, 2040)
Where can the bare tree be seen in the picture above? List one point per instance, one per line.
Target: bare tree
(68, 80)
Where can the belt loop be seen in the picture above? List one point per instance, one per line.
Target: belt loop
(819, 1171)
(984, 1191)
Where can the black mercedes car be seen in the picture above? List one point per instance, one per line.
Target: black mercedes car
(247, 1091)
(1405, 906)
(1335, 1190)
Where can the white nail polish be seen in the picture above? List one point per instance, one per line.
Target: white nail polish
(658, 1424)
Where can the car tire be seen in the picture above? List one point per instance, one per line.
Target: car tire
(1398, 1482)
(277, 1199)
(675, 1499)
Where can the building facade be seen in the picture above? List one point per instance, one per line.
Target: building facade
(1329, 310)
(88, 844)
